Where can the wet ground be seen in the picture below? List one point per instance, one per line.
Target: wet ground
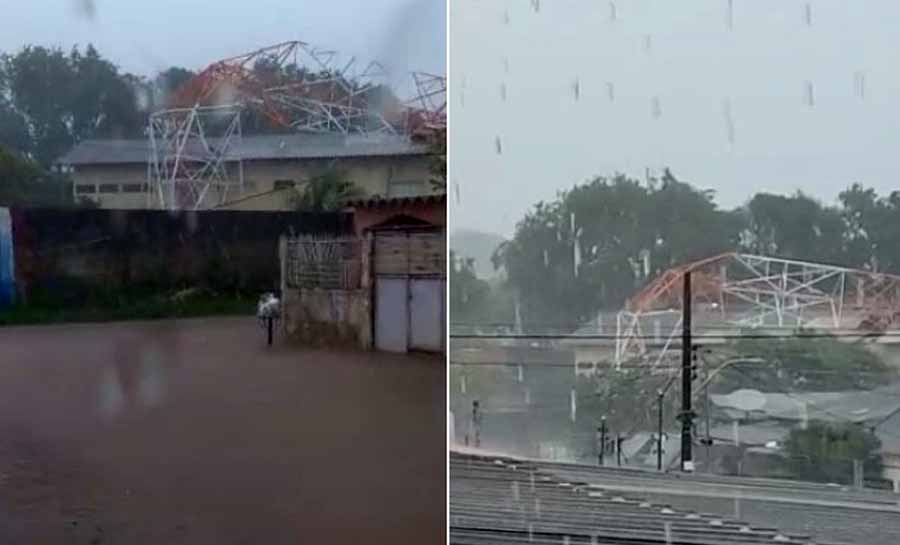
(195, 432)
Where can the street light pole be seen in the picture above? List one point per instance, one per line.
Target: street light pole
(708, 437)
(602, 440)
(661, 394)
(687, 414)
(659, 441)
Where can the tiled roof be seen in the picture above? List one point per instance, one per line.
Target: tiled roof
(493, 495)
(249, 148)
(502, 500)
(396, 202)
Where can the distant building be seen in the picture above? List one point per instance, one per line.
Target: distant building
(114, 173)
(767, 428)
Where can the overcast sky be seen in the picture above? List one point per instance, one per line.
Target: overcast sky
(698, 68)
(146, 36)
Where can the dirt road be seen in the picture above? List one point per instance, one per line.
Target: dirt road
(195, 432)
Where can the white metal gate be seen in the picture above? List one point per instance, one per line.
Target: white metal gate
(426, 310)
(410, 302)
(391, 314)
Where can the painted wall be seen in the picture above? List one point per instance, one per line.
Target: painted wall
(7, 260)
(70, 251)
(111, 186)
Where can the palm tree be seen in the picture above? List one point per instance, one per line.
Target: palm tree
(326, 193)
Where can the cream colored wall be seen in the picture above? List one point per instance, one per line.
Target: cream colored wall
(891, 469)
(372, 175)
(112, 175)
(269, 200)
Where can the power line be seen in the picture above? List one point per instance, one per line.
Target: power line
(616, 369)
(661, 340)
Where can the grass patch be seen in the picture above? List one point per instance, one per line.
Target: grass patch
(123, 307)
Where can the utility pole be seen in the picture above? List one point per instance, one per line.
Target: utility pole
(687, 414)
(708, 436)
(660, 398)
(602, 440)
(659, 429)
(618, 449)
(476, 424)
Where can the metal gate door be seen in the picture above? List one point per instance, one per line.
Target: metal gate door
(426, 314)
(391, 314)
(409, 283)
(7, 265)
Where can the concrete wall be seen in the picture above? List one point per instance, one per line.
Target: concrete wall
(154, 249)
(110, 186)
(328, 317)
(321, 317)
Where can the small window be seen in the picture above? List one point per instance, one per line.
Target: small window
(82, 189)
(132, 188)
(284, 184)
(109, 188)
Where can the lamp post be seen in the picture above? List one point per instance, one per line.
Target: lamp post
(661, 393)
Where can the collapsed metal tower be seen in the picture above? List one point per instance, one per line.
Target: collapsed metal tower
(195, 159)
(734, 291)
(428, 110)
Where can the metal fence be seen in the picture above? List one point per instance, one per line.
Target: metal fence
(333, 263)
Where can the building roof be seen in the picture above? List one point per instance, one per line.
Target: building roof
(491, 501)
(827, 513)
(850, 406)
(251, 148)
(396, 202)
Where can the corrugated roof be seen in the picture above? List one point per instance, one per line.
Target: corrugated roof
(849, 406)
(384, 202)
(505, 500)
(249, 148)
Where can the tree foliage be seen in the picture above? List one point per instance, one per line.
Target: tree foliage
(815, 365)
(23, 182)
(627, 232)
(325, 193)
(825, 452)
(792, 226)
(63, 98)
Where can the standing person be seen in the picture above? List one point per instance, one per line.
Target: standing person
(476, 423)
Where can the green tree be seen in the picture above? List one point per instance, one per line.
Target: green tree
(156, 93)
(795, 226)
(872, 228)
(625, 233)
(65, 98)
(825, 452)
(326, 192)
(811, 365)
(23, 182)
(13, 128)
(468, 294)
(103, 101)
